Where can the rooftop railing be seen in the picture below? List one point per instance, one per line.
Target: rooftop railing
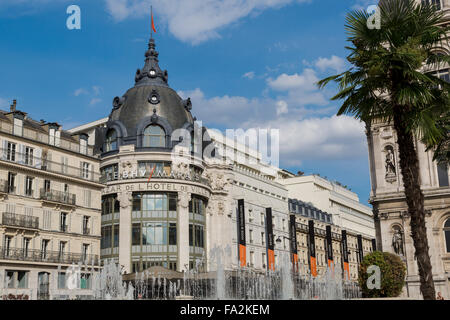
(45, 138)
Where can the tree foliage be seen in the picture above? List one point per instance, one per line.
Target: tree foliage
(393, 272)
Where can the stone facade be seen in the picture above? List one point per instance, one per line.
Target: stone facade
(390, 210)
(50, 206)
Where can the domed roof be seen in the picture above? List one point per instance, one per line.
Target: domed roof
(151, 96)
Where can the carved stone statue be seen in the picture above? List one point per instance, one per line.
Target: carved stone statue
(390, 163)
(397, 242)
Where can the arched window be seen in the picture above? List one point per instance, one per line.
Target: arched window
(447, 234)
(154, 137)
(111, 140)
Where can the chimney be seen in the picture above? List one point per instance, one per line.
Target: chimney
(13, 106)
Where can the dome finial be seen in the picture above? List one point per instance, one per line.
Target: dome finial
(151, 74)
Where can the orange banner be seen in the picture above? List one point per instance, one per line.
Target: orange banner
(347, 270)
(295, 262)
(271, 256)
(243, 255)
(313, 267)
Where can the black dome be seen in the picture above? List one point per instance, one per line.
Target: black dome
(150, 101)
(136, 106)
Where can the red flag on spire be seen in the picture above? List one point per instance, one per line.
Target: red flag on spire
(153, 23)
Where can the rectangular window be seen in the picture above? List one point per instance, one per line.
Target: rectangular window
(11, 152)
(8, 242)
(442, 170)
(47, 185)
(191, 235)
(62, 248)
(110, 173)
(136, 234)
(64, 164)
(137, 202)
(26, 247)
(63, 222)
(28, 156)
(85, 170)
(11, 182)
(18, 127)
(116, 235)
(86, 225)
(28, 186)
(44, 246)
(85, 252)
(172, 234)
(51, 137)
(61, 280)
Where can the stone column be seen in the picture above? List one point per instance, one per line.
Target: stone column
(125, 199)
(183, 231)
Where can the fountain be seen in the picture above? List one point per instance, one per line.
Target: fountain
(234, 283)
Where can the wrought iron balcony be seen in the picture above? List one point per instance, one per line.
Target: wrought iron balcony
(58, 196)
(18, 220)
(47, 256)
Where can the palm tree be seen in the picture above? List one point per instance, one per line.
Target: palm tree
(391, 79)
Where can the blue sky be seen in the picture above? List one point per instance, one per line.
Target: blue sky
(244, 63)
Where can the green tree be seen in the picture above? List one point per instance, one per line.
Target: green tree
(390, 79)
(392, 274)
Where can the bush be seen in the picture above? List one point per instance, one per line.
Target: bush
(393, 272)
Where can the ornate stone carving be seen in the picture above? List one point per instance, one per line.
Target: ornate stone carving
(217, 180)
(180, 168)
(183, 199)
(125, 198)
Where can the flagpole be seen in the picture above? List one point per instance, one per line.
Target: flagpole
(151, 28)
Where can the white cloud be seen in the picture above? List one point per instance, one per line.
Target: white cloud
(193, 21)
(327, 138)
(80, 91)
(334, 63)
(301, 88)
(249, 75)
(94, 101)
(304, 134)
(285, 82)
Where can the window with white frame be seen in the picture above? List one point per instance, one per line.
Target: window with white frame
(18, 127)
(85, 170)
(28, 157)
(11, 151)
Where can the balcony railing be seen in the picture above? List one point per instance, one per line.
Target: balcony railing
(6, 188)
(17, 220)
(47, 256)
(51, 166)
(58, 196)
